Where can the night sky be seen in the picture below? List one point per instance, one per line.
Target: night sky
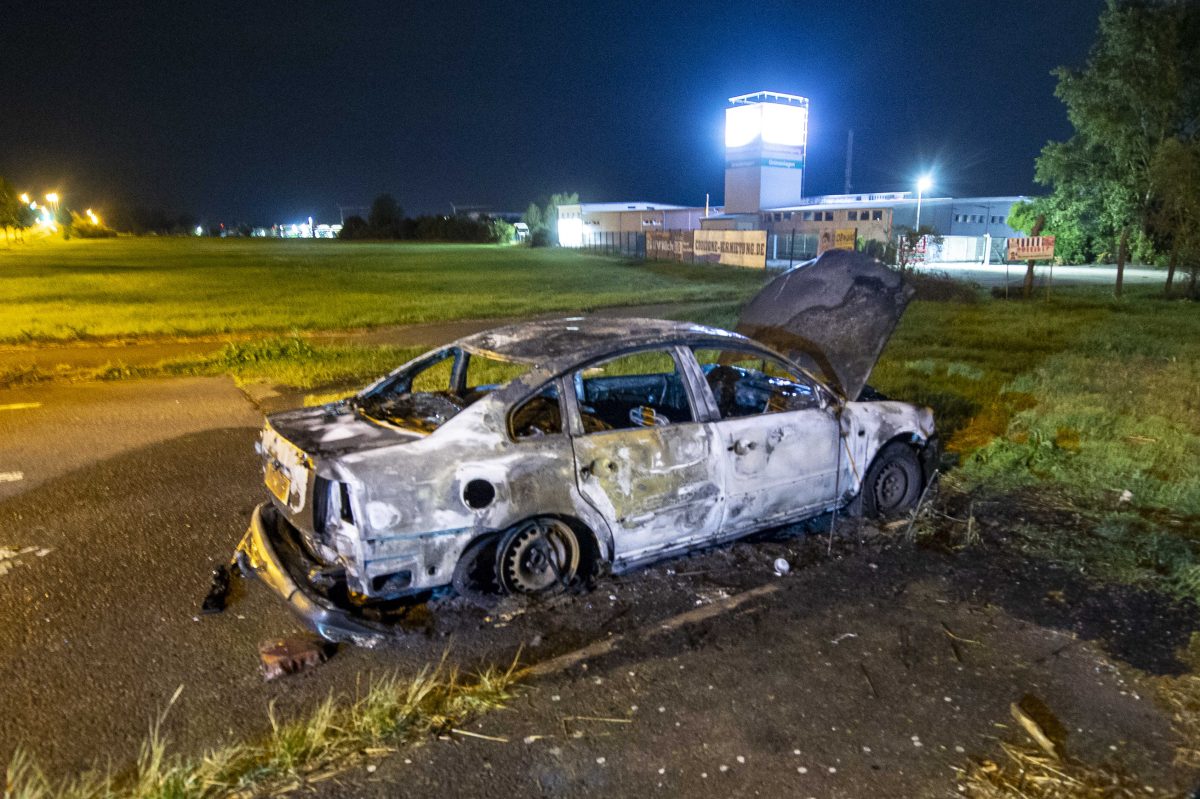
(268, 113)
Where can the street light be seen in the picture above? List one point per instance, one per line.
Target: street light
(924, 183)
(24, 199)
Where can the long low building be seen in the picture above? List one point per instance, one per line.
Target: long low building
(589, 224)
(970, 228)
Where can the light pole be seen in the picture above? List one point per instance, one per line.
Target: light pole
(923, 185)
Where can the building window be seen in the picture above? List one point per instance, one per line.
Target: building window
(829, 216)
(806, 216)
(852, 216)
(787, 214)
(877, 216)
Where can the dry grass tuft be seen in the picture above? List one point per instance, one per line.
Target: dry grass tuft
(1030, 773)
(1181, 696)
(338, 735)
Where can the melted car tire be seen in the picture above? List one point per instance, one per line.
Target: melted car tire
(539, 557)
(893, 483)
(475, 574)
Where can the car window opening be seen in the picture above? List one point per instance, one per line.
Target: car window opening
(749, 384)
(538, 416)
(642, 389)
(426, 395)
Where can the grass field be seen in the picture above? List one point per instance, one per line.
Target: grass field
(1089, 401)
(100, 289)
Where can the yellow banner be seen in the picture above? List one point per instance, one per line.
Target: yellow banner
(733, 247)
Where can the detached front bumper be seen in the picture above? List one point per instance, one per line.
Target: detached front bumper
(275, 558)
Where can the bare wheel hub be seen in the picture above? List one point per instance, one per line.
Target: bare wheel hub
(539, 556)
(891, 487)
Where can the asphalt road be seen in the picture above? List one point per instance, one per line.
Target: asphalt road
(131, 493)
(1013, 275)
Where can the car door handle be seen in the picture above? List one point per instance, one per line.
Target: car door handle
(742, 446)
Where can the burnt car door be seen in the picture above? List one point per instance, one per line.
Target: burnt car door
(778, 434)
(642, 458)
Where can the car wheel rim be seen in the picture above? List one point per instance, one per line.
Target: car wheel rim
(542, 555)
(891, 487)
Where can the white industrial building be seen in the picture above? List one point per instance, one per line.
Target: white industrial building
(584, 224)
(766, 136)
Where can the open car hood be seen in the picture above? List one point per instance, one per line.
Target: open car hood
(833, 315)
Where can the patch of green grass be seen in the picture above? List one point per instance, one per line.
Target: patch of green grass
(103, 289)
(290, 362)
(337, 735)
(1078, 401)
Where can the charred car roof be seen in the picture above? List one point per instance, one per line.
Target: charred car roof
(558, 344)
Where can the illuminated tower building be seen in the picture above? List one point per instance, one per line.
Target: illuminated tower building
(766, 134)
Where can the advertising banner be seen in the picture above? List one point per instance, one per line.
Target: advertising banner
(669, 245)
(843, 238)
(733, 247)
(1035, 248)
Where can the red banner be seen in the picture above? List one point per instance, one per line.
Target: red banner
(1035, 248)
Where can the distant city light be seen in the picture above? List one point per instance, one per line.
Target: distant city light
(570, 232)
(924, 183)
(52, 197)
(199, 230)
(24, 199)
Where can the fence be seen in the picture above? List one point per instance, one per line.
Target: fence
(625, 243)
(783, 249)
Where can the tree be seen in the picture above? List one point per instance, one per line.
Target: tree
(1175, 178)
(1135, 92)
(386, 217)
(909, 242)
(543, 223)
(10, 207)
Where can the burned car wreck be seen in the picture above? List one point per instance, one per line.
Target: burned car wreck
(533, 454)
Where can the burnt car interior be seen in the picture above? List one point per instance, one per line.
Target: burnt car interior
(642, 389)
(426, 395)
(747, 384)
(540, 415)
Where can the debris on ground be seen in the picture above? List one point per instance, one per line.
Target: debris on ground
(782, 567)
(292, 655)
(1040, 722)
(11, 558)
(218, 591)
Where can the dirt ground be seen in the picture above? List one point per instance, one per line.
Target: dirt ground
(875, 667)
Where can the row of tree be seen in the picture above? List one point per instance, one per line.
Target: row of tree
(386, 221)
(1127, 182)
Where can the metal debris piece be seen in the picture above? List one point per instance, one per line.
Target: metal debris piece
(294, 654)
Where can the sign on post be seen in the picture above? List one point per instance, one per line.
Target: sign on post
(1032, 248)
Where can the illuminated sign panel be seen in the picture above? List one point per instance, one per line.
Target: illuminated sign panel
(766, 134)
(743, 126)
(784, 125)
